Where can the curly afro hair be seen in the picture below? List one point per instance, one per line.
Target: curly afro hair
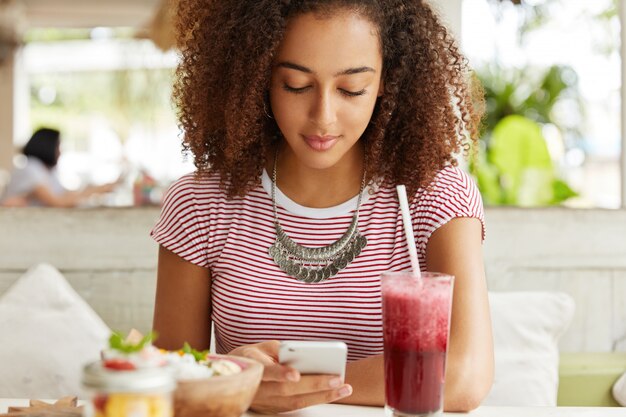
(429, 112)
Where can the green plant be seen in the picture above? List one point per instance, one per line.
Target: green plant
(528, 92)
(513, 165)
(517, 168)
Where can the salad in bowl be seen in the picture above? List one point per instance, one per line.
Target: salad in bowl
(203, 384)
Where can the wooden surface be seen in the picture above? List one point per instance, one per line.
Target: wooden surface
(107, 255)
(109, 258)
(580, 252)
(64, 407)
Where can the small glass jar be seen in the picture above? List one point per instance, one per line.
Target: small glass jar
(128, 393)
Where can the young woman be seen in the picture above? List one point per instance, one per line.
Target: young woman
(37, 183)
(302, 116)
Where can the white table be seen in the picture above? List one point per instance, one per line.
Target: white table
(334, 410)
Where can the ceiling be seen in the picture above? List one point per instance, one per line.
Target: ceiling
(88, 13)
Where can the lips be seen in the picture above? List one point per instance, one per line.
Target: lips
(320, 143)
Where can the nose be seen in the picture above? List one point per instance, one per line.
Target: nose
(323, 110)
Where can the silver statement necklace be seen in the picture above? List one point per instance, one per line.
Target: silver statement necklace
(312, 265)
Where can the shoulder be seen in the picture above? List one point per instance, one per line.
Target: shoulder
(31, 174)
(452, 194)
(193, 188)
(34, 166)
(184, 224)
(450, 183)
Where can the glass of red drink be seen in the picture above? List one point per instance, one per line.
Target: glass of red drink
(416, 324)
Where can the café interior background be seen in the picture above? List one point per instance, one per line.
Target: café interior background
(101, 72)
(550, 166)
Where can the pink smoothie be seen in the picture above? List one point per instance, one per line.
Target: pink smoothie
(416, 320)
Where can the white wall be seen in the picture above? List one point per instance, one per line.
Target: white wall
(106, 255)
(581, 252)
(450, 11)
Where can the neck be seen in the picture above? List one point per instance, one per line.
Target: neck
(319, 188)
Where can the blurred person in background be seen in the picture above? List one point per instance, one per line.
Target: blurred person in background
(37, 183)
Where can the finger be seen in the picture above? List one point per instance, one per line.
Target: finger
(280, 373)
(253, 352)
(306, 400)
(307, 384)
(270, 348)
(272, 370)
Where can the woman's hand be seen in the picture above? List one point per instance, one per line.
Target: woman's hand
(283, 388)
(100, 189)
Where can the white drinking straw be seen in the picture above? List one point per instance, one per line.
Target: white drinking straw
(408, 229)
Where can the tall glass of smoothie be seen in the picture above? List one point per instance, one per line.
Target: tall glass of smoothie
(416, 323)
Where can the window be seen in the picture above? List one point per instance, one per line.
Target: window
(110, 96)
(557, 63)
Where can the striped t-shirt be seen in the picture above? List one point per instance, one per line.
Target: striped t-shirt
(253, 300)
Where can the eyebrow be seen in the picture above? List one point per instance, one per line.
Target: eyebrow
(349, 71)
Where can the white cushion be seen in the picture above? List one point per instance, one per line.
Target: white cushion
(619, 390)
(48, 333)
(527, 327)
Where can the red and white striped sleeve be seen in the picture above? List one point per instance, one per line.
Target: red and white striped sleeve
(453, 194)
(183, 227)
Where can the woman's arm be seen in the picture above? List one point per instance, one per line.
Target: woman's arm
(456, 249)
(367, 378)
(182, 311)
(44, 194)
(69, 198)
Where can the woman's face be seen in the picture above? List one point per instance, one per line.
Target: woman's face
(325, 82)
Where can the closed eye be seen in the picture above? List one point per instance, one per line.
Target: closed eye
(301, 90)
(295, 90)
(352, 93)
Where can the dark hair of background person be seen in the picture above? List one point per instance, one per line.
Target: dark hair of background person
(44, 145)
(430, 110)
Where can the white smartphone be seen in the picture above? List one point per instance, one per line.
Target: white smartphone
(314, 357)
